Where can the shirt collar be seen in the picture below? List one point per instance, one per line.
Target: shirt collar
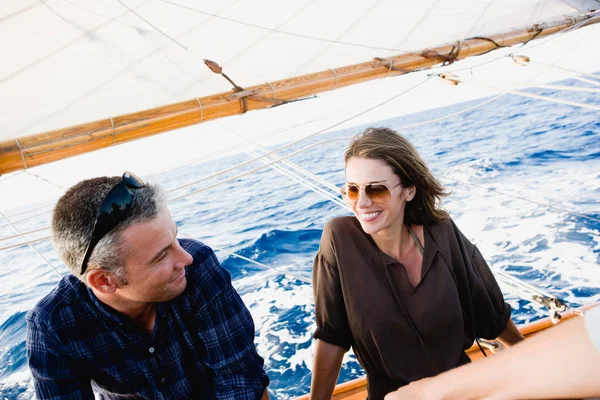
(104, 310)
(430, 249)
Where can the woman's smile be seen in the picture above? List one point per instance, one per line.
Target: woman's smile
(368, 216)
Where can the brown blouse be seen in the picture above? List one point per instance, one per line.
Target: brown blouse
(363, 299)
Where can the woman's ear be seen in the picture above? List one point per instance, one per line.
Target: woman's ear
(411, 191)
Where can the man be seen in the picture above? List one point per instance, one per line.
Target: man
(561, 362)
(144, 314)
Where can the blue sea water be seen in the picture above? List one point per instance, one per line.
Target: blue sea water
(524, 176)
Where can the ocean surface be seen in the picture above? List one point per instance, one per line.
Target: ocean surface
(525, 182)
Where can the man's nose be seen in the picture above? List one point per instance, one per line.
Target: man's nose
(185, 258)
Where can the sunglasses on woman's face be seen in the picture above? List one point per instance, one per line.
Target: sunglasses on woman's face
(377, 192)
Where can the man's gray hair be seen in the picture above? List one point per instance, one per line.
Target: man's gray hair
(73, 223)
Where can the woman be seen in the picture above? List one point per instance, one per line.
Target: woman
(398, 282)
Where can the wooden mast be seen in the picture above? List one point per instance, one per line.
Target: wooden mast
(38, 149)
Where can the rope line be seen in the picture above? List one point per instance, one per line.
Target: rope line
(274, 269)
(152, 25)
(529, 46)
(310, 185)
(364, 46)
(18, 12)
(550, 206)
(521, 85)
(595, 78)
(47, 56)
(28, 242)
(290, 164)
(534, 96)
(20, 234)
(48, 263)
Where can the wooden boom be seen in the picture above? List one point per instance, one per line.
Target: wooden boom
(38, 149)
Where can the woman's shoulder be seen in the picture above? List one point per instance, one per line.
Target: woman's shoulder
(443, 227)
(447, 232)
(342, 228)
(341, 224)
(337, 233)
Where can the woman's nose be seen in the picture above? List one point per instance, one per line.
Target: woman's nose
(363, 199)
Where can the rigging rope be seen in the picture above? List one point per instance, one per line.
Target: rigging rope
(20, 234)
(18, 12)
(550, 206)
(83, 35)
(520, 85)
(524, 94)
(528, 46)
(570, 72)
(299, 35)
(290, 164)
(312, 186)
(152, 25)
(526, 291)
(363, 16)
(70, 23)
(34, 249)
(275, 269)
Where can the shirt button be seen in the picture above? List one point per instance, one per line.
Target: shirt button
(151, 350)
(162, 380)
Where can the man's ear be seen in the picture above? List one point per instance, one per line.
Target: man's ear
(103, 281)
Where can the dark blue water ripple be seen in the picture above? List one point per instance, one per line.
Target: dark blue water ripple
(12, 336)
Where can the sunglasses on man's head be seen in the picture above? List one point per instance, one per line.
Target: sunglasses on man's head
(377, 192)
(115, 208)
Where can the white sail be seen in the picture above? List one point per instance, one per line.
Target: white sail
(70, 62)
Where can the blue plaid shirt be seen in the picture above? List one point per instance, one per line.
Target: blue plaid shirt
(202, 346)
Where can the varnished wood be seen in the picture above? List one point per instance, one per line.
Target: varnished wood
(357, 389)
(42, 148)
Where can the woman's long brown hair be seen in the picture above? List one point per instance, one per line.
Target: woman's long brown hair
(397, 152)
